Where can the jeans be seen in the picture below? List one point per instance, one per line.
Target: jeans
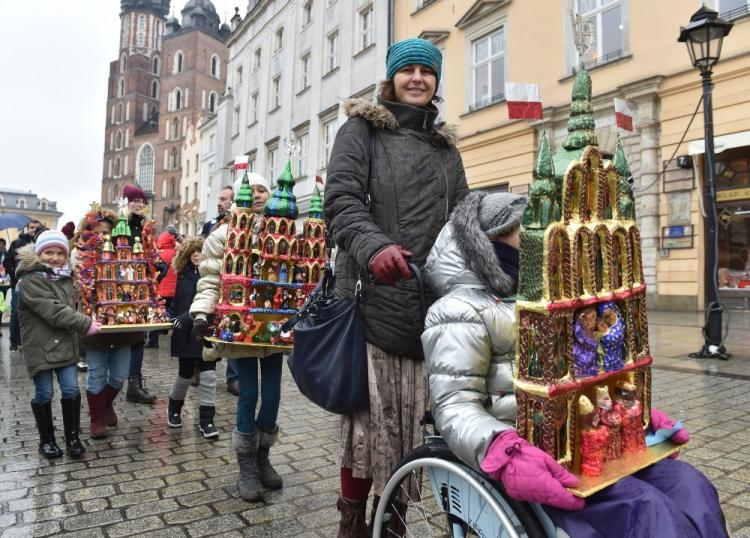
(67, 377)
(270, 392)
(107, 367)
(136, 359)
(15, 324)
(232, 374)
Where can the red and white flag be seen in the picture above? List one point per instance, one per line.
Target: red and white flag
(524, 101)
(319, 180)
(240, 162)
(623, 114)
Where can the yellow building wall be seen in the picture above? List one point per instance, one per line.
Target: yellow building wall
(496, 150)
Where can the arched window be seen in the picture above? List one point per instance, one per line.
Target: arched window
(141, 31)
(157, 35)
(155, 89)
(175, 130)
(121, 87)
(177, 99)
(174, 159)
(215, 66)
(118, 140)
(154, 111)
(177, 68)
(43, 205)
(172, 187)
(21, 203)
(116, 169)
(155, 65)
(212, 100)
(119, 116)
(123, 63)
(146, 168)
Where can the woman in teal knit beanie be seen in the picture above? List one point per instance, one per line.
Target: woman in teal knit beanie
(397, 152)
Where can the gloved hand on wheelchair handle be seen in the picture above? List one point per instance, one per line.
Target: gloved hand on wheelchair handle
(528, 473)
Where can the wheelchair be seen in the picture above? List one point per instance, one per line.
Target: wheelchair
(433, 493)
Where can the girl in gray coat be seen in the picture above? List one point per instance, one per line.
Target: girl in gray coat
(50, 327)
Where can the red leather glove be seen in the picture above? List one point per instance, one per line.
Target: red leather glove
(530, 474)
(389, 265)
(659, 420)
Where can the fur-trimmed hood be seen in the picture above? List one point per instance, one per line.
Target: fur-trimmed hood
(464, 255)
(29, 262)
(379, 115)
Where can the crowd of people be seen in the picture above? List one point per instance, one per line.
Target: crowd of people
(396, 193)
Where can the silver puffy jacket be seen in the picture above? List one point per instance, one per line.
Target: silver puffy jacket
(469, 346)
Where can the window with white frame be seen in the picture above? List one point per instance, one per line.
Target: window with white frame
(732, 9)
(271, 162)
(146, 168)
(332, 51)
(304, 72)
(213, 99)
(307, 8)
(251, 159)
(177, 66)
(236, 121)
(253, 108)
(155, 89)
(256, 58)
(141, 31)
(367, 27)
(329, 136)
(238, 77)
(177, 99)
(301, 164)
(119, 116)
(215, 68)
(21, 203)
(211, 142)
(174, 160)
(606, 18)
(276, 92)
(488, 68)
(278, 41)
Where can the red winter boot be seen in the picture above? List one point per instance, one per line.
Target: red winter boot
(96, 412)
(109, 393)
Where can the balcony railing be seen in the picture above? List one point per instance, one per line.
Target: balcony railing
(601, 60)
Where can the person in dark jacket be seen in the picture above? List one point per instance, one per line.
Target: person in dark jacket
(10, 262)
(416, 178)
(136, 392)
(51, 327)
(188, 351)
(226, 197)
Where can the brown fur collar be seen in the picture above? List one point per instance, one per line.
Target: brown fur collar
(381, 118)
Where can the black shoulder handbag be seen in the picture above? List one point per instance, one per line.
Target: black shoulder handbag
(329, 360)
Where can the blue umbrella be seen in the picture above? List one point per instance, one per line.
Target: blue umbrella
(13, 220)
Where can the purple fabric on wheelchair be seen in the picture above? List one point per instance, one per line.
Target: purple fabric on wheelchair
(670, 499)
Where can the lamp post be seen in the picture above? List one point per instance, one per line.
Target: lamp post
(704, 36)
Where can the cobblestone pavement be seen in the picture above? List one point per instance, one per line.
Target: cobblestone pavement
(145, 479)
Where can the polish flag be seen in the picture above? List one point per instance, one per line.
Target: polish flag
(319, 180)
(623, 114)
(240, 162)
(524, 101)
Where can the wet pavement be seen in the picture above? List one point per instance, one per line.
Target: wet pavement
(145, 479)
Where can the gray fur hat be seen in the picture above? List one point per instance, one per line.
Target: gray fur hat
(501, 213)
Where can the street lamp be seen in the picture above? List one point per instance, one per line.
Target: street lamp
(704, 36)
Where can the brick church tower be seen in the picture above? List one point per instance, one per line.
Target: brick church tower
(132, 94)
(168, 76)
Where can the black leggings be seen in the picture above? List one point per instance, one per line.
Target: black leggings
(188, 364)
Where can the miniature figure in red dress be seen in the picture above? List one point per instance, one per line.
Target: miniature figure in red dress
(277, 299)
(610, 417)
(631, 411)
(593, 439)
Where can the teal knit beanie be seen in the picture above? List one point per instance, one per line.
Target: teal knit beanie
(412, 51)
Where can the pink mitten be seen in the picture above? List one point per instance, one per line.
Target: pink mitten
(659, 420)
(94, 328)
(528, 473)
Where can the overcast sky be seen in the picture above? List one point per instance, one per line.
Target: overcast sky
(55, 64)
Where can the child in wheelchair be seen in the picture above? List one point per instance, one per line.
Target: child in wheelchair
(469, 344)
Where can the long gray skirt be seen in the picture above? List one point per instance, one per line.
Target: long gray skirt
(373, 442)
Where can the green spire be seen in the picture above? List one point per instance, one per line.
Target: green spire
(282, 202)
(625, 199)
(122, 227)
(543, 207)
(620, 162)
(244, 198)
(581, 123)
(316, 204)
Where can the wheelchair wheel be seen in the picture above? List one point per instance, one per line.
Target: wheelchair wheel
(432, 493)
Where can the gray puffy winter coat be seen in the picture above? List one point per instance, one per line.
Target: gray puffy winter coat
(469, 338)
(417, 178)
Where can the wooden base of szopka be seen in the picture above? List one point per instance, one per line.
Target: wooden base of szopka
(135, 327)
(238, 350)
(628, 465)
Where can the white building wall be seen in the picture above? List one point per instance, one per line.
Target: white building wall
(358, 71)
